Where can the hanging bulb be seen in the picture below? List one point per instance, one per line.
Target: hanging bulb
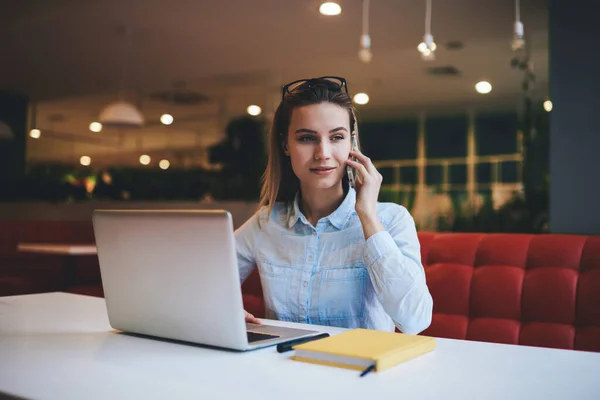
(518, 41)
(364, 54)
(427, 48)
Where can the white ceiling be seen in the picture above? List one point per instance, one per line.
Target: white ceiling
(67, 55)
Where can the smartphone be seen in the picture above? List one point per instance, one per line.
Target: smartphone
(349, 170)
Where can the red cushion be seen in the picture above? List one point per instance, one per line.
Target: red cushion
(425, 240)
(590, 255)
(494, 330)
(447, 326)
(588, 338)
(588, 296)
(458, 248)
(449, 286)
(87, 290)
(549, 295)
(588, 299)
(546, 334)
(252, 284)
(254, 305)
(538, 290)
(562, 251)
(12, 285)
(496, 292)
(503, 249)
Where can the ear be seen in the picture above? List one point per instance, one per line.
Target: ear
(284, 146)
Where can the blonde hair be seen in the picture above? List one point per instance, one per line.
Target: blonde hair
(279, 183)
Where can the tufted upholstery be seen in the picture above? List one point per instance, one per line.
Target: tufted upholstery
(539, 290)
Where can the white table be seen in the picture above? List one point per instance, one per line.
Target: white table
(58, 248)
(60, 346)
(63, 249)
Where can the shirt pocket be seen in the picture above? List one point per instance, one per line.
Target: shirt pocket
(278, 288)
(342, 293)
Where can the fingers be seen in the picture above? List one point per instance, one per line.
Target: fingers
(364, 174)
(366, 161)
(251, 318)
(360, 168)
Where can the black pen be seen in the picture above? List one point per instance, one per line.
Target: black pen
(287, 346)
(369, 369)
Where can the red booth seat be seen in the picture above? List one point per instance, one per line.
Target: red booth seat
(538, 290)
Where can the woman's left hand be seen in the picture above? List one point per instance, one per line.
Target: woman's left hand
(367, 184)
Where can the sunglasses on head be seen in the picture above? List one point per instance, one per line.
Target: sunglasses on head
(333, 83)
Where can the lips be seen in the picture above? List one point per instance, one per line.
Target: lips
(322, 169)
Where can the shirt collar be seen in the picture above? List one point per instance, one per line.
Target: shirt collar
(338, 218)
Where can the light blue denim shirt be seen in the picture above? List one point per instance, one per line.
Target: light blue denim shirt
(329, 275)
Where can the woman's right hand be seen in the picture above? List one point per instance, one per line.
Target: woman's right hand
(251, 318)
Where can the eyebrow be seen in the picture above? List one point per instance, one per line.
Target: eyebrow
(304, 130)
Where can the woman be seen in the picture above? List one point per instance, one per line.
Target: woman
(327, 253)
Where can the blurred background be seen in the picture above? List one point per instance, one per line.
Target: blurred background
(155, 103)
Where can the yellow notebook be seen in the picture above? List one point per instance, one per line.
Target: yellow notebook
(362, 348)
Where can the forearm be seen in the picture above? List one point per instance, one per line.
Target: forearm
(371, 224)
(399, 281)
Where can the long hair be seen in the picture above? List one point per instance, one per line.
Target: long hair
(279, 183)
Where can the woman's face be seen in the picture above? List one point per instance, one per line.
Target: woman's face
(318, 144)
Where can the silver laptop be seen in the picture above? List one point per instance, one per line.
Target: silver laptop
(174, 275)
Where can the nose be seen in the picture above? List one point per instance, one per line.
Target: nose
(323, 150)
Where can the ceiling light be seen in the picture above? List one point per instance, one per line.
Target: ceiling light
(145, 159)
(164, 164)
(85, 160)
(361, 98)
(518, 41)
(95, 127)
(121, 114)
(330, 8)
(422, 47)
(483, 87)
(427, 46)
(364, 54)
(548, 105)
(254, 110)
(35, 133)
(166, 119)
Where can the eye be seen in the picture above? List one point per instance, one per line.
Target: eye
(338, 137)
(306, 138)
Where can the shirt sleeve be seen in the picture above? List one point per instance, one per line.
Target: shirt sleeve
(393, 259)
(245, 240)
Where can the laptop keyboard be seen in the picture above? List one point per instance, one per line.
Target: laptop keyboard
(255, 337)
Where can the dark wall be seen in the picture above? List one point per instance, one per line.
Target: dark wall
(13, 112)
(574, 129)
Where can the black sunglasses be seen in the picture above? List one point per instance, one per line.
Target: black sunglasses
(333, 83)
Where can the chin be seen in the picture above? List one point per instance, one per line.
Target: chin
(327, 183)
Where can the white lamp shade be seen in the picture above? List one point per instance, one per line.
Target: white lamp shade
(6, 133)
(121, 115)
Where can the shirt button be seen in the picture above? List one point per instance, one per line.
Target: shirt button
(305, 284)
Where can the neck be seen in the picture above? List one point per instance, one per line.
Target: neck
(319, 203)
